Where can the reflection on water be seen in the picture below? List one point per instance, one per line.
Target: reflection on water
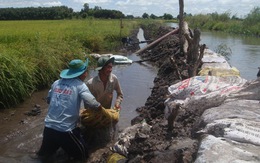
(245, 50)
(140, 37)
(136, 81)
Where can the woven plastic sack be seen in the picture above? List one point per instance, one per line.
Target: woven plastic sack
(219, 72)
(205, 85)
(98, 119)
(115, 158)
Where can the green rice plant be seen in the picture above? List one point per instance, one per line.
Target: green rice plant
(16, 79)
(32, 53)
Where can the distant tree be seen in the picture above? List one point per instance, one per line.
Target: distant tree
(189, 14)
(97, 8)
(84, 15)
(152, 16)
(167, 16)
(129, 16)
(112, 14)
(145, 16)
(86, 7)
(40, 13)
(184, 15)
(234, 17)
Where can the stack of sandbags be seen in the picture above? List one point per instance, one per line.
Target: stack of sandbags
(215, 64)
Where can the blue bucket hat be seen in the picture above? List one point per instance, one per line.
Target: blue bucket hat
(76, 68)
(103, 61)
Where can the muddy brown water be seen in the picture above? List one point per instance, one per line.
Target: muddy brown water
(21, 134)
(136, 81)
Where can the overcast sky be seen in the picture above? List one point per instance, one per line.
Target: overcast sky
(240, 8)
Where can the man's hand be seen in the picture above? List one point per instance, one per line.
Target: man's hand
(117, 107)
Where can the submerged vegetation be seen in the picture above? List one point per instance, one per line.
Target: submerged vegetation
(224, 50)
(250, 25)
(32, 53)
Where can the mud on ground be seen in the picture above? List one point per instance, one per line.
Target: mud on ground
(158, 144)
(161, 144)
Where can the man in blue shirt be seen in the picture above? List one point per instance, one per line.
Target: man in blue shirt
(61, 122)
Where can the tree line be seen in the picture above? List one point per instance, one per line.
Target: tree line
(64, 12)
(56, 13)
(39, 13)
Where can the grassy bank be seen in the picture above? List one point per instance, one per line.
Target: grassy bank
(250, 25)
(32, 53)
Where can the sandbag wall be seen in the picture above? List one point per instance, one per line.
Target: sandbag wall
(229, 127)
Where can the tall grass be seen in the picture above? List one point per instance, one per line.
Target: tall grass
(32, 53)
(224, 22)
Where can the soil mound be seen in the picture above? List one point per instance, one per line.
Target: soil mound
(157, 143)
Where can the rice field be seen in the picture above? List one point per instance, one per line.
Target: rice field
(32, 53)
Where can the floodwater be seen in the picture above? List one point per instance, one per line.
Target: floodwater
(245, 50)
(136, 80)
(21, 135)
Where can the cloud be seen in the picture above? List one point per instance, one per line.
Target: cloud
(29, 3)
(138, 7)
(92, 1)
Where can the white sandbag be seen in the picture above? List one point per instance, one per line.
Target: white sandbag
(123, 143)
(220, 150)
(241, 130)
(95, 55)
(219, 72)
(202, 85)
(246, 109)
(250, 91)
(223, 65)
(210, 56)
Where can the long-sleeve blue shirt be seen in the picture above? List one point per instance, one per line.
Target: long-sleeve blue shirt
(65, 98)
